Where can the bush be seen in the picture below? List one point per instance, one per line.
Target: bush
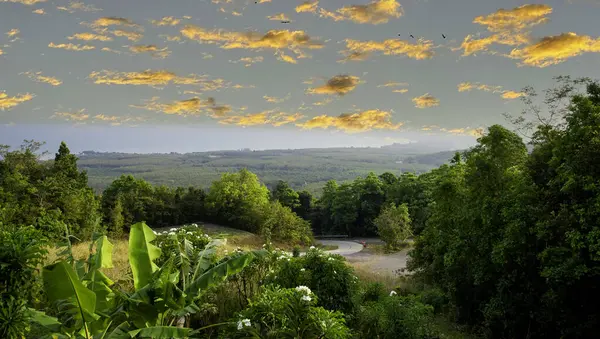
(327, 276)
(387, 315)
(174, 241)
(288, 313)
(280, 223)
(393, 225)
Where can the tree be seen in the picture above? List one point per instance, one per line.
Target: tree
(116, 220)
(305, 208)
(283, 193)
(393, 225)
(237, 200)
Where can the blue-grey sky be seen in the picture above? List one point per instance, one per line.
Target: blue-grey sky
(339, 73)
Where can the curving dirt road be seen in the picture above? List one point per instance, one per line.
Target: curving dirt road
(377, 263)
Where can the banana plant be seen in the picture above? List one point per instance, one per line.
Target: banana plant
(164, 296)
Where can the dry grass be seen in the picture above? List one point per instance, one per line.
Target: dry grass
(121, 271)
(366, 274)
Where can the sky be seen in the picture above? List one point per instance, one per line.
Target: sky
(193, 75)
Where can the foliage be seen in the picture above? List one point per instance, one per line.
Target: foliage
(288, 313)
(327, 276)
(283, 193)
(393, 225)
(237, 200)
(280, 223)
(188, 239)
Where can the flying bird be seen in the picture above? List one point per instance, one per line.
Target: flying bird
(443, 36)
(398, 34)
(285, 22)
(412, 36)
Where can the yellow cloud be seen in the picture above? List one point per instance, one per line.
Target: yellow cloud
(248, 61)
(160, 53)
(39, 11)
(193, 106)
(112, 21)
(7, 102)
(555, 49)
(269, 117)
(512, 94)
(78, 6)
(170, 37)
(1, 51)
(353, 123)
(475, 132)
(278, 17)
(148, 78)
(71, 47)
(419, 51)
(166, 21)
(354, 56)
(339, 84)
(12, 34)
(278, 40)
(376, 12)
(425, 101)
(470, 45)
(72, 116)
(286, 58)
(275, 99)
(116, 120)
(515, 19)
(38, 77)
(506, 94)
(132, 36)
(107, 49)
(90, 37)
(307, 6)
(393, 84)
(24, 2)
(322, 102)
(403, 90)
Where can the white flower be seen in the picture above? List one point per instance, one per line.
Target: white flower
(194, 225)
(171, 233)
(306, 298)
(288, 259)
(173, 229)
(264, 245)
(154, 232)
(304, 290)
(392, 293)
(330, 259)
(302, 270)
(312, 247)
(281, 257)
(189, 233)
(334, 272)
(243, 323)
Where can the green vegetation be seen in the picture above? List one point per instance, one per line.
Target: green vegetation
(506, 245)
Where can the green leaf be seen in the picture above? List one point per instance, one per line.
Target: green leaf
(220, 272)
(205, 259)
(61, 283)
(158, 332)
(103, 256)
(142, 254)
(120, 332)
(43, 319)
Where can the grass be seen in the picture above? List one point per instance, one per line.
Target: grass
(381, 249)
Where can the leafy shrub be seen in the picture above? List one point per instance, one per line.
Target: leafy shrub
(391, 316)
(288, 313)
(175, 241)
(328, 276)
(14, 317)
(393, 225)
(280, 223)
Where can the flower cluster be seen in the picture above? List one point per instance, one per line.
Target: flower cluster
(243, 323)
(306, 293)
(169, 241)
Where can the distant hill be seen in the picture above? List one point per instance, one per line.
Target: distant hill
(306, 169)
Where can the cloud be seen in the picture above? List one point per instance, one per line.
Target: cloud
(112, 21)
(147, 77)
(278, 17)
(159, 53)
(278, 40)
(248, 61)
(403, 90)
(234, 13)
(132, 36)
(24, 2)
(1, 51)
(90, 37)
(353, 123)
(376, 12)
(475, 132)
(506, 94)
(72, 47)
(275, 99)
(419, 51)
(166, 21)
(322, 102)
(39, 11)
(38, 77)
(308, 7)
(7, 102)
(512, 95)
(552, 50)
(353, 56)
(13, 35)
(269, 117)
(78, 116)
(515, 19)
(339, 84)
(425, 101)
(193, 106)
(75, 6)
(170, 37)
(507, 26)
(108, 49)
(393, 84)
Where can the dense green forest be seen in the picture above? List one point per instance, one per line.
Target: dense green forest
(305, 169)
(506, 244)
